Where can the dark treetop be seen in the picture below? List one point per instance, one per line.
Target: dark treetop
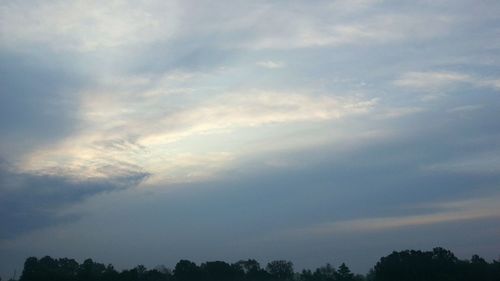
(436, 265)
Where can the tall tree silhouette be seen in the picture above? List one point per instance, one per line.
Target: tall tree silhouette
(344, 273)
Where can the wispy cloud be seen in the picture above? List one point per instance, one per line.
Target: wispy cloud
(396, 112)
(270, 64)
(118, 140)
(439, 213)
(465, 108)
(486, 163)
(85, 25)
(88, 26)
(431, 80)
(257, 108)
(442, 81)
(306, 32)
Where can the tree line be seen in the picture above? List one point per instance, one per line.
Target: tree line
(410, 265)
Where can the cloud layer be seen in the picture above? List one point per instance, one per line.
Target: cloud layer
(277, 129)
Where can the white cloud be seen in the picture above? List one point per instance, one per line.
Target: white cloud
(303, 31)
(92, 25)
(253, 109)
(270, 64)
(137, 124)
(86, 25)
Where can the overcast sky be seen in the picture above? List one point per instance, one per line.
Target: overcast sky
(144, 132)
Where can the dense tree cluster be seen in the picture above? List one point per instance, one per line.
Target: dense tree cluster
(438, 264)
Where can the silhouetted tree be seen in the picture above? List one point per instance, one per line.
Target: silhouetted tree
(156, 275)
(30, 271)
(219, 271)
(110, 274)
(248, 265)
(306, 275)
(280, 270)
(344, 273)
(371, 275)
(129, 275)
(187, 271)
(436, 265)
(67, 269)
(325, 273)
(90, 271)
(252, 271)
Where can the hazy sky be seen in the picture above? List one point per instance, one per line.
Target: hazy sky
(144, 132)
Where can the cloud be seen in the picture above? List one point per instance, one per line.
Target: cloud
(314, 113)
(397, 112)
(37, 102)
(31, 201)
(270, 64)
(486, 163)
(84, 26)
(162, 141)
(292, 30)
(431, 80)
(437, 213)
(259, 108)
(442, 81)
(490, 83)
(465, 108)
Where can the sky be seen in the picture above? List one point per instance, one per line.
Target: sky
(145, 132)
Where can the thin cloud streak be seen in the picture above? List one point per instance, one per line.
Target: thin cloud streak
(448, 212)
(270, 64)
(441, 80)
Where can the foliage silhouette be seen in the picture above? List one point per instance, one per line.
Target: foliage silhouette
(344, 273)
(280, 270)
(438, 264)
(409, 265)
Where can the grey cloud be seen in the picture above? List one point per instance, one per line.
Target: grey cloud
(415, 164)
(382, 178)
(31, 201)
(236, 213)
(190, 55)
(37, 101)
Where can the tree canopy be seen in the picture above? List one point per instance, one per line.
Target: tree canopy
(409, 265)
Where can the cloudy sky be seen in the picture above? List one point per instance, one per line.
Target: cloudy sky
(143, 132)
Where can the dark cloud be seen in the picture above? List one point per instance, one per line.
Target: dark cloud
(36, 99)
(381, 178)
(30, 201)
